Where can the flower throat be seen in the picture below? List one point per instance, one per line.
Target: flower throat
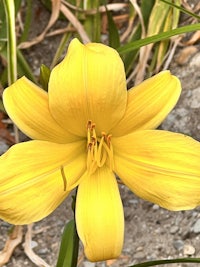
(99, 149)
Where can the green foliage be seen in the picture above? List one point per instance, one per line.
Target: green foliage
(44, 76)
(158, 37)
(113, 36)
(68, 254)
(171, 261)
(22, 66)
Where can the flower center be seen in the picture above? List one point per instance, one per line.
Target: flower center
(99, 149)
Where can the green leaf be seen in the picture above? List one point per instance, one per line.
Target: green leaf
(146, 8)
(68, 254)
(44, 76)
(181, 9)
(11, 42)
(27, 22)
(156, 21)
(22, 67)
(92, 22)
(3, 27)
(161, 262)
(114, 40)
(3, 22)
(158, 37)
(61, 47)
(131, 58)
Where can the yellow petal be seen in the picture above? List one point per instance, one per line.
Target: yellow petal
(161, 167)
(89, 84)
(27, 106)
(149, 103)
(99, 215)
(36, 176)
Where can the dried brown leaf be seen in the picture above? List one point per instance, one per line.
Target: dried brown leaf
(54, 16)
(28, 250)
(14, 239)
(195, 37)
(75, 22)
(101, 9)
(186, 54)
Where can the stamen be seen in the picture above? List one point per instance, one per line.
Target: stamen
(64, 177)
(99, 152)
(89, 124)
(103, 159)
(93, 168)
(99, 149)
(108, 139)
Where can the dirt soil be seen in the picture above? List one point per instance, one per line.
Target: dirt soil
(150, 231)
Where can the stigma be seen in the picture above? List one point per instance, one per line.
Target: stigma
(99, 149)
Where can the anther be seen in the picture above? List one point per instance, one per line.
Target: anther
(92, 125)
(89, 124)
(109, 138)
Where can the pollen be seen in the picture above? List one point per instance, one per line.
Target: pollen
(99, 149)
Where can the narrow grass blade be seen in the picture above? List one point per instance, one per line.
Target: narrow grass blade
(44, 76)
(181, 9)
(92, 22)
(60, 49)
(11, 44)
(161, 262)
(27, 22)
(68, 254)
(114, 39)
(158, 37)
(22, 68)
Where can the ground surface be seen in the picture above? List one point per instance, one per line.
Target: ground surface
(151, 232)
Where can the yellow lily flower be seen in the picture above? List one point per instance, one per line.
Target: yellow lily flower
(86, 129)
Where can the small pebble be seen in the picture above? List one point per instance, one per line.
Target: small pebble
(155, 207)
(174, 229)
(178, 244)
(188, 250)
(43, 251)
(196, 227)
(139, 255)
(133, 201)
(33, 244)
(194, 101)
(88, 264)
(3, 147)
(140, 248)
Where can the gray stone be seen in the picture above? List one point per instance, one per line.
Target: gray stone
(88, 264)
(139, 255)
(3, 147)
(195, 61)
(33, 244)
(155, 207)
(194, 100)
(174, 229)
(196, 227)
(178, 244)
(43, 251)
